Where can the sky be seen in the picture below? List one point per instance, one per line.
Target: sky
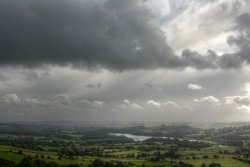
(133, 60)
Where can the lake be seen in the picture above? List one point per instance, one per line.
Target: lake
(137, 137)
(143, 138)
(134, 137)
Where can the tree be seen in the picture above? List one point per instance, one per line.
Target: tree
(203, 165)
(6, 163)
(27, 162)
(214, 165)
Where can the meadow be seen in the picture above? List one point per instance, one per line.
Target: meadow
(168, 146)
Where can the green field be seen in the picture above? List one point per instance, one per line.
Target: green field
(86, 147)
(13, 154)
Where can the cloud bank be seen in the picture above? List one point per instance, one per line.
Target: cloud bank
(112, 34)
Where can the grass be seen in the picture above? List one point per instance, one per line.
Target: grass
(225, 162)
(11, 156)
(11, 153)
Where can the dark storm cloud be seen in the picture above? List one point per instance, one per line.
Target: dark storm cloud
(112, 34)
(244, 21)
(242, 40)
(211, 60)
(196, 60)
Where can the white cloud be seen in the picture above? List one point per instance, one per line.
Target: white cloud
(98, 103)
(243, 108)
(128, 105)
(154, 103)
(126, 101)
(11, 98)
(160, 8)
(195, 87)
(243, 100)
(209, 24)
(171, 104)
(136, 106)
(88, 104)
(174, 105)
(210, 99)
(247, 88)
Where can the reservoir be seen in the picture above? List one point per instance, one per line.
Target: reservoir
(134, 137)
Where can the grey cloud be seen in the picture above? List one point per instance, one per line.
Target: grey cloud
(63, 94)
(63, 99)
(230, 61)
(60, 100)
(196, 60)
(242, 100)
(225, 61)
(30, 75)
(83, 104)
(90, 86)
(98, 85)
(113, 34)
(152, 87)
(243, 21)
(3, 78)
(213, 61)
(242, 40)
(35, 101)
(149, 85)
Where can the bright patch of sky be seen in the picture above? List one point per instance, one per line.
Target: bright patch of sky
(198, 25)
